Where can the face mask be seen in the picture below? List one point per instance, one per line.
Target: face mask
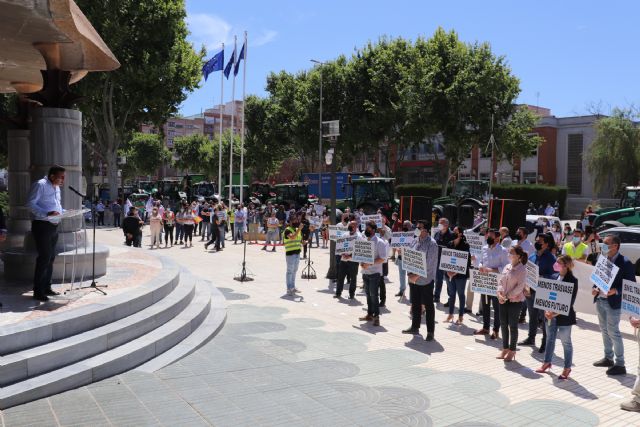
(567, 230)
(405, 229)
(368, 233)
(557, 267)
(576, 240)
(604, 248)
(295, 224)
(351, 229)
(490, 241)
(442, 227)
(513, 258)
(417, 232)
(538, 246)
(520, 236)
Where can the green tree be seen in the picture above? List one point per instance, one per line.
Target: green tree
(159, 67)
(198, 154)
(144, 153)
(614, 155)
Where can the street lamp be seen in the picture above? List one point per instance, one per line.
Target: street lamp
(320, 63)
(331, 131)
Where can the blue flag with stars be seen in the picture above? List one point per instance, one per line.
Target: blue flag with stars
(214, 64)
(240, 58)
(232, 60)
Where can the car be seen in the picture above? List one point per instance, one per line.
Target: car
(629, 243)
(551, 219)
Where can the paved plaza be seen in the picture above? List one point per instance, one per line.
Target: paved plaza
(309, 361)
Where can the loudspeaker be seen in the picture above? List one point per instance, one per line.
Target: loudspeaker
(414, 208)
(450, 212)
(465, 216)
(507, 213)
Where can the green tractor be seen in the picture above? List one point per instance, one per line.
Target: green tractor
(370, 194)
(470, 192)
(627, 212)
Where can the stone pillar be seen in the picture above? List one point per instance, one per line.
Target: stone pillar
(19, 179)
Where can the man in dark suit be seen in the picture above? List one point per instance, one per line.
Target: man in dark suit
(608, 307)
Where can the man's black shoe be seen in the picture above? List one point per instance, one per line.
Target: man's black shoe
(40, 297)
(603, 363)
(542, 348)
(351, 297)
(337, 296)
(400, 294)
(429, 337)
(467, 311)
(617, 370)
(51, 292)
(528, 341)
(446, 304)
(382, 305)
(411, 331)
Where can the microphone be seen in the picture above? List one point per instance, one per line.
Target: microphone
(77, 192)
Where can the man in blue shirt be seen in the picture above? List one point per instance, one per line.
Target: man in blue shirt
(45, 204)
(544, 259)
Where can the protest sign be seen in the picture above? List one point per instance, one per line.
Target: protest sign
(222, 215)
(315, 221)
(434, 230)
(476, 242)
(631, 298)
(604, 273)
(553, 295)
(337, 231)
(377, 218)
(273, 222)
(532, 275)
(484, 283)
(363, 251)
(414, 262)
(401, 239)
(344, 245)
(454, 261)
(318, 209)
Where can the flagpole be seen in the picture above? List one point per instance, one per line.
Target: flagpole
(244, 85)
(220, 188)
(233, 115)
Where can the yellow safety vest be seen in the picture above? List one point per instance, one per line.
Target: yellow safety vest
(575, 252)
(294, 241)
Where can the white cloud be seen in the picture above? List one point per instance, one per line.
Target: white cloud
(267, 36)
(208, 30)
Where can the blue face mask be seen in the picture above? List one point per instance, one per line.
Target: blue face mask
(576, 240)
(604, 248)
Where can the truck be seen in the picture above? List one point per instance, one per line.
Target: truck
(291, 195)
(370, 194)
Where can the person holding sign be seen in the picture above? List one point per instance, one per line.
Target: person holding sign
(406, 227)
(544, 259)
(493, 260)
(608, 305)
(442, 237)
(510, 296)
(458, 281)
(372, 273)
(558, 324)
(421, 287)
(273, 231)
(292, 248)
(347, 269)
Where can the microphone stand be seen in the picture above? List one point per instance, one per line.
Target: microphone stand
(94, 285)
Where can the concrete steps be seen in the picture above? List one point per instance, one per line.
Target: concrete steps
(174, 324)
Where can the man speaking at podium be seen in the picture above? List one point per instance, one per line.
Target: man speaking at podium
(45, 204)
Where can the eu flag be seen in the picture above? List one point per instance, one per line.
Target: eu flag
(214, 64)
(240, 58)
(232, 60)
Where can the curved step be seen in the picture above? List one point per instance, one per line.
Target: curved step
(57, 326)
(41, 359)
(209, 328)
(114, 361)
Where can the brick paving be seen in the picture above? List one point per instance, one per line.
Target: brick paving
(308, 361)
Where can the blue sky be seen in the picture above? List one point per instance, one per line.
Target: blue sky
(571, 55)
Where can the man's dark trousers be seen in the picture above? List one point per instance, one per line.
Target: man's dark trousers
(45, 235)
(347, 270)
(422, 295)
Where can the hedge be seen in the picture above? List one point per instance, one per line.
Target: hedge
(538, 194)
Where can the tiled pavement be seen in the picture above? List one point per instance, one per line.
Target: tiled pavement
(309, 361)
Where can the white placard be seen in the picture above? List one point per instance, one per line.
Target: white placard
(363, 251)
(604, 274)
(434, 230)
(402, 239)
(337, 231)
(476, 242)
(273, 222)
(315, 221)
(345, 245)
(414, 261)
(377, 218)
(532, 275)
(631, 298)
(222, 215)
(454, 261)
(484, 283)
(553, 295)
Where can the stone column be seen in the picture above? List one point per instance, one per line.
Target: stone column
(19, 178)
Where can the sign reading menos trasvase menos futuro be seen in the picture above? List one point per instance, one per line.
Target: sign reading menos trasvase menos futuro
(553, 295)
